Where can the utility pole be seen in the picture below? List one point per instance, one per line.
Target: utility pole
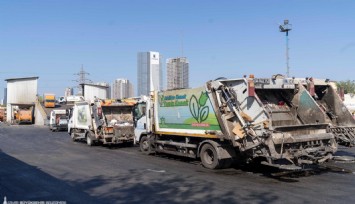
(82, 79)
(285, 28)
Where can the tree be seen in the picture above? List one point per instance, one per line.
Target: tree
(348, 86)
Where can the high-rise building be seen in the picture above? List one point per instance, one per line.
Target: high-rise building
(149, 72)
(177, 70)
(122, 88)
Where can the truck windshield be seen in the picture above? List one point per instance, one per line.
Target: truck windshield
(139, 110)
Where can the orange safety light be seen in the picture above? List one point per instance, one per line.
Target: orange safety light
(251, 87)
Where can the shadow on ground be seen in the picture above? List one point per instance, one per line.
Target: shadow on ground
(22, 182)
(144, 186)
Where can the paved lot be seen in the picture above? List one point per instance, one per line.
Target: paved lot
(39, 165)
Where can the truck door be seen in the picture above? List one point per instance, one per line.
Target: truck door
(52, 118)
(140, 120)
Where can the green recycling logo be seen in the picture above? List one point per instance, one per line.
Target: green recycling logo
(198, 108)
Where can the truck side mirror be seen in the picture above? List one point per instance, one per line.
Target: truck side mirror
(48, 117)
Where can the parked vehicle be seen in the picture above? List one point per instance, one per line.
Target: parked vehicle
(228, 120)
(70, 100)
(100, 122)
(61, 100)
(24, 115)
(2, 114)
(49, 100)
(341, 120)
(58, 120)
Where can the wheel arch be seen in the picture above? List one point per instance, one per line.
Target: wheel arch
(141, 136)
(224, 151)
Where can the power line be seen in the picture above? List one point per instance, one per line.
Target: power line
(82, 78)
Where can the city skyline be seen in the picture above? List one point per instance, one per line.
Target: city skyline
(53, 39)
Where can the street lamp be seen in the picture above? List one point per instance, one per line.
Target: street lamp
(285, 28)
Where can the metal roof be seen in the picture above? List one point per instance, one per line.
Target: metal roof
(22, 78)
(95, 85)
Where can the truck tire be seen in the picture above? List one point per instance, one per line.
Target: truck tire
(72, 135)
(89, 139)
(145, 145)
(209, 157)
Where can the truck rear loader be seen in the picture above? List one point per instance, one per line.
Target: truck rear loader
(341, 120)
(229, 120)
(100, 122)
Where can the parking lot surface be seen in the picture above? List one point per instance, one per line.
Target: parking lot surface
(39, 165)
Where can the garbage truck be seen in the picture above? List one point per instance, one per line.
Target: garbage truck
(341, 120)
(49, 100)
(229, 120)
(24, 115)
(58, 120)
(101, 122)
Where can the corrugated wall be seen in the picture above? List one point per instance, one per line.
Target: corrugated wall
(91, 91)
(22, 91)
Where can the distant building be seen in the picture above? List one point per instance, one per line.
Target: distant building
(122, 88)
(107, 85)
(21, 92)
(177, 71)
(92, 91)
(68, 92)
(5, 96)
(149, 72)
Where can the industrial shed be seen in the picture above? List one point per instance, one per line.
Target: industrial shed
(21, 92)
(90, 91)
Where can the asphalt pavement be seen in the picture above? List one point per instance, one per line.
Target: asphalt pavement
(39, 165)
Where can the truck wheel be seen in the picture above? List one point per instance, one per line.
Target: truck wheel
(72, 135)
(89, 140)
(209, 157)
(145, 145)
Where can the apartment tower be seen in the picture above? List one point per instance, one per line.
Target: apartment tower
(122, 88)
(177, 70)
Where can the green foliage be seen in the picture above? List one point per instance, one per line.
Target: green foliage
(348, 86)
(40, 99)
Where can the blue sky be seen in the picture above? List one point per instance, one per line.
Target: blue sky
(52, 39)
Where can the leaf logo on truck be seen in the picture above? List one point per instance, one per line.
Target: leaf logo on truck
(198, 107)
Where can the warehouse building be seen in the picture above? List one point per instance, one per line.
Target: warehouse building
(20, 93)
